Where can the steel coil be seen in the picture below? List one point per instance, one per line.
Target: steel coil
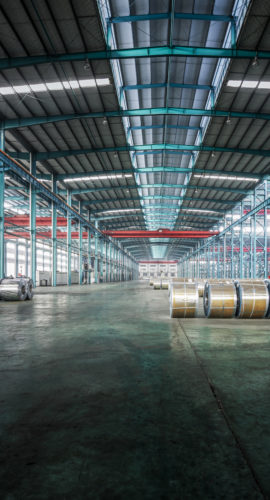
(184, 301)
(220, 300)
(164, 285)
(157, 285)
(151, 282)
(252, 299)
(13, 289)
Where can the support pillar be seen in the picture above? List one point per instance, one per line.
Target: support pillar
(54, 229)
(33, 171)
(101, 260)
(68, 240)
(241, 256)
(89, 249)
(80, 247)
(265, 256)
(96, 253)
(2, 199)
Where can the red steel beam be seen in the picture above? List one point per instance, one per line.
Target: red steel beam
(162, 233)
(24, 221)
(45, 235)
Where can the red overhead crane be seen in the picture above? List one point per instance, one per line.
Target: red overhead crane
(160, 233)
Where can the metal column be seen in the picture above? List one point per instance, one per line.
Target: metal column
(80, 247)
(96, 252)
(89, 250)
(33, 240)
(101, 259)
(265, 233)
(110, 260)
(241, 256)
(254, 240)
(2, 199)
(68, 240)
(54, 236)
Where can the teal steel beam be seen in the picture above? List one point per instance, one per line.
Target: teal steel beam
(141, 149)
(163, 169)
(137, 198)
(134, 53)
(32, 201)
(54, 234)
(168, 15)
(173, 111)
(2, 203)
(148, 127)
(69, 201)
(165, 85)
(148, 186)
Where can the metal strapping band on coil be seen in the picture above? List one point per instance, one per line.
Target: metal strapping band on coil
(220, 300)
(184, 301)
(252, 299)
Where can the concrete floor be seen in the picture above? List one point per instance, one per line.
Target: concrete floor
(104, 397)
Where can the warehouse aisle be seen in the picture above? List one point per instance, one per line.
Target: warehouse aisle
(104, 397)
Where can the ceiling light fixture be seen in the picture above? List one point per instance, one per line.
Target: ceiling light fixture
(104, 121)
(227, 177)
(228, 121)
(86, 65)
(255, 61)
(53, 86)
(97, 177)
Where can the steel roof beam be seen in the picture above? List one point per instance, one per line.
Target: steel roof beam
(137, 198)
(168, 15)
(165, 85)
(149, 186)
(134, 53)
(141, 149)
(39, 120)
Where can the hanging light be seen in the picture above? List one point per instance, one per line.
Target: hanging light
(104, 121)
(255, 61)
(86, 65)
(228, 121)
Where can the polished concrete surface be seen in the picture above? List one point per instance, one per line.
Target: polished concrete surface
(102, 396)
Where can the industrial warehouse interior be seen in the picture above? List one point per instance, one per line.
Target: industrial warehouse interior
(134, 249)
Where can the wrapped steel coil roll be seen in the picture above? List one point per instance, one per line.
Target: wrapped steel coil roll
(184, 301)
(157, 285)
(13, 289)
(252, 299)
(219, 300)
(164, 285)
(151, 282)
